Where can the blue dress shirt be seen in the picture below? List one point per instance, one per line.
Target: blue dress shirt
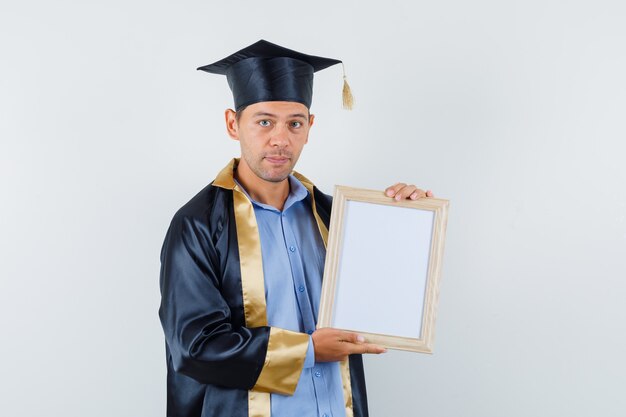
(293, 264)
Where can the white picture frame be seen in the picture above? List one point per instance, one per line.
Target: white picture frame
(383, 266)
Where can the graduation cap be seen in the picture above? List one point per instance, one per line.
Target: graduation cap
(265, 71)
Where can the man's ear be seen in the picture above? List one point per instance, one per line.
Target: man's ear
(231, 124)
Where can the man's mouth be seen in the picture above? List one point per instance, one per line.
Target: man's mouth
(277, 159)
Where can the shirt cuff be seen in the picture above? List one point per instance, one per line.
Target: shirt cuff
(309, 361)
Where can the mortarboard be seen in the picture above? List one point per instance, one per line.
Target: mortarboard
(265, 71)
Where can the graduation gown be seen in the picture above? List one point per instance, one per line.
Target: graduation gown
(223, 360)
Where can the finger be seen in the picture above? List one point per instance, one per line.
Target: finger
(392, 190)
(417, 194)
(351, 337)
(376, 349)
(429, 194)
(405, 192)
(369, 348)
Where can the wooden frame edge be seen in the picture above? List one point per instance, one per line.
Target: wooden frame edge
(440, 207)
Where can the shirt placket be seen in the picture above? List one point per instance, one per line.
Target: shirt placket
(306, 312)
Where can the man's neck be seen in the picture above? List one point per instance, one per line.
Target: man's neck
(266, 192)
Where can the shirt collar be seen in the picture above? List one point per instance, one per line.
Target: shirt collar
(297, 192)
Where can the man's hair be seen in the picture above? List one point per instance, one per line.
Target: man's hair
(238, 113)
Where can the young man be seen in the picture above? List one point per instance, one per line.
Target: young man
(242, 264)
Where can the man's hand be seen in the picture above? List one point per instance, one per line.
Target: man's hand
(333, 345)
(400, 191)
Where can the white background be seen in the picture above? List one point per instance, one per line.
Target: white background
(513, 110)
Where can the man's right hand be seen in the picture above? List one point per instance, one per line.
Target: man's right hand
(333, 345)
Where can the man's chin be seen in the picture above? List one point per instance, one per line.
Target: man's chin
(275, 175)
(275, 178)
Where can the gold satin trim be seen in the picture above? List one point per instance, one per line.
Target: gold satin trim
(344, 366)
(226, 179)
(250, 257)
(286, 351)
(320, 224)
(250, 260)
(252, 284)
(251, 265)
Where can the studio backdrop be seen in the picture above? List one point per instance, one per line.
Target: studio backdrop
(513, 111)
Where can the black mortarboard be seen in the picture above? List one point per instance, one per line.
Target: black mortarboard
(265, 71)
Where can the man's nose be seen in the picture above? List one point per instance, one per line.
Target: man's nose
(280, 136)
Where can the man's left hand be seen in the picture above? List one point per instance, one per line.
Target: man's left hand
(400, 191)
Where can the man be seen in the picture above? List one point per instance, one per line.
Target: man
(242, 264)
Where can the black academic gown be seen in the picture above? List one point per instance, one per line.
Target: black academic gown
(218, 343)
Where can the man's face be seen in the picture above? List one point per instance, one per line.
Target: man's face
(272, 135)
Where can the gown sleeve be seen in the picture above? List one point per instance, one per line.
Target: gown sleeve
(203, 341)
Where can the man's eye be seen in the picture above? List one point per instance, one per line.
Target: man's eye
(264, 123)
(296, 124)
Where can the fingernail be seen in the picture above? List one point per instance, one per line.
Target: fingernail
(360, 339)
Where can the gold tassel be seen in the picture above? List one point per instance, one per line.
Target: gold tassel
(348, 98)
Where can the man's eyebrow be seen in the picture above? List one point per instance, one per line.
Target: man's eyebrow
(260, 113)
(265, 114)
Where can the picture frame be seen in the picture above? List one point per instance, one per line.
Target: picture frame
(383, 267)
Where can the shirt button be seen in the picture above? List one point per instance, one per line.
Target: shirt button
(318, 374)
(292, 248)
(324, 415)
(309, 331)
(301, 288)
